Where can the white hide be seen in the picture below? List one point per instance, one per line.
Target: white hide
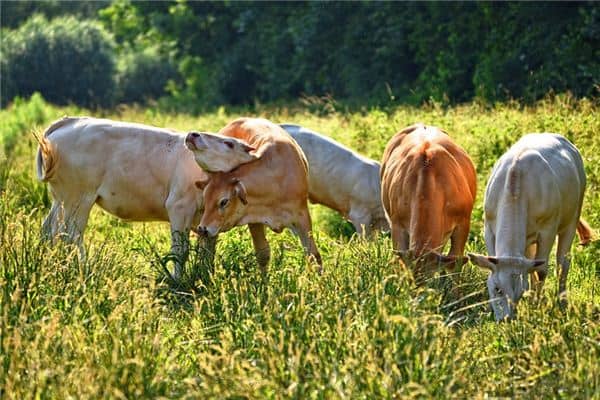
(209, 148)
(535, 193)
(342, 179)
(133, 171)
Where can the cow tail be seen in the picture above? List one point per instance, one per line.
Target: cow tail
(46, 159)
(585, 232)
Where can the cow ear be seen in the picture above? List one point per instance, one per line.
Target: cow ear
(450, 261)
(240, 190)
(486, 262)
(201, 184)
(247, 148)
(536, 265)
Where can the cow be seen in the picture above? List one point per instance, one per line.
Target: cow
(270, 191)
(338, 177)
(135, 172)
(428, 188)
(342, 180)
(535, 193)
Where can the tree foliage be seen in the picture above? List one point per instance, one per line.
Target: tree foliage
(371, 52)
(65, 59)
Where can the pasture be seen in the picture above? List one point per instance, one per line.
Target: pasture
(113, 326)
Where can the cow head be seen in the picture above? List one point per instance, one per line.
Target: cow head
(507, 281)
(218, 153)
(381, 223)
(225, 200)
(428, 263)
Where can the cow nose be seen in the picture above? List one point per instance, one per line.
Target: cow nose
(202, 231)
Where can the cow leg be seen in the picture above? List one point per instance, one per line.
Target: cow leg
(304, 231)
(563, 261)
(180, 248)
(261, 246)
(531, 251)
(544, 245)
(75, 214)
(181, 214)
(205, 249)
(50, 224)
(459, 238)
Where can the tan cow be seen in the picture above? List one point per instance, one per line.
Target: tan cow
(338, 177)
(271, 190)
(133, 171)
(428, 187)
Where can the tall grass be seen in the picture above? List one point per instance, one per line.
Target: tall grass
(111, 327)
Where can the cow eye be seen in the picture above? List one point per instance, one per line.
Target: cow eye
(223, 203)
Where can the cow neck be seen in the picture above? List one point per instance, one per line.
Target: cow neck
(511, 229)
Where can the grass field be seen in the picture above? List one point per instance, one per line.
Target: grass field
(111, 327)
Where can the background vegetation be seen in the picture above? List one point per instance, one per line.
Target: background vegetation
(111, 327)
(204, 54)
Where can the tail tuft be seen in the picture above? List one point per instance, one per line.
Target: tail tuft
(585, 232)
(47, 158)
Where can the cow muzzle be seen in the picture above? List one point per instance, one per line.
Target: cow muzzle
(193, 141)
(207, 231)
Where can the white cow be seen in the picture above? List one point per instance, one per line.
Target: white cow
(133, 171)
(209, 149)
(535, 193)
(342, 179)
(339, 178)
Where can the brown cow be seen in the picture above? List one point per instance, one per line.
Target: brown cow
(428, 187)
(271, 190)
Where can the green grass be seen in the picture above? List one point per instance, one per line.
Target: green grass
(111, 327)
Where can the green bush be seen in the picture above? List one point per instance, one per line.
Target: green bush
(534, 49)
(65, 59)
(143, 74)
(375, 53)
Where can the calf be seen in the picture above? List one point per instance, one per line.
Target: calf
(535, 193)
(271, 190)
(133, 171)
(428, 188)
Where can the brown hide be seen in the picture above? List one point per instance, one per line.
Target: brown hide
(272, 190)
(428, 189)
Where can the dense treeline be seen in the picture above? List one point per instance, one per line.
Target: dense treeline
(204, 53)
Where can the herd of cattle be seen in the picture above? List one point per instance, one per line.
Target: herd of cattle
(256, 173)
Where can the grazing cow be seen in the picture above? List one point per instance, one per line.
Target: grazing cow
(271, 190)
(342, 179)
(428, 187)
(338, 177)
(535, 193)
(133, 171)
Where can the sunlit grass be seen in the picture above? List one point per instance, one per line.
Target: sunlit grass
(113, 327)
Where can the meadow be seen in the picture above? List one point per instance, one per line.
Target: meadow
(113, 326)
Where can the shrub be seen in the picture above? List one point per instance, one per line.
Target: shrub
(66, 60)
(143, 74)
